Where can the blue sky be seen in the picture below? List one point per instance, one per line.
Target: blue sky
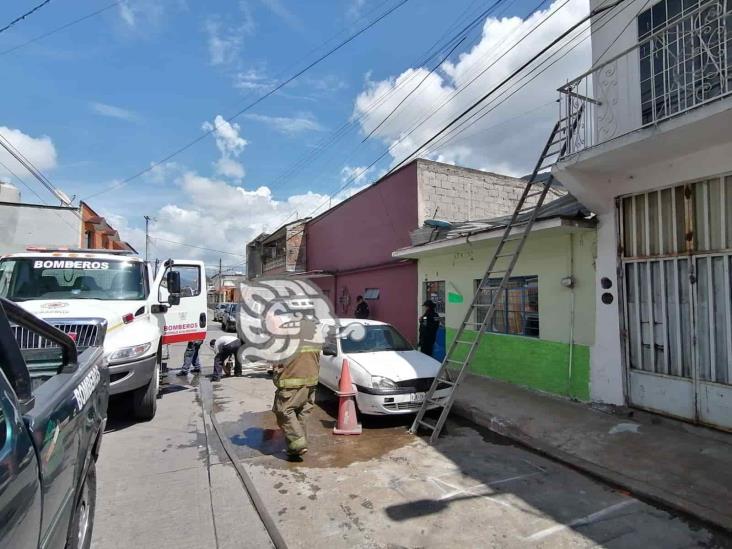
(103, 99)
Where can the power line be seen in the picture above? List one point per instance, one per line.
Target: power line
(503, 82)
(32, 169)
(419, 84)
(193, 246)
(59, 29)
(21, 17)
(274, 90)
(434, 50)
(593, 13)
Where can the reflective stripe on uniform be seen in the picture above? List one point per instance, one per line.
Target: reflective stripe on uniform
(295, 382)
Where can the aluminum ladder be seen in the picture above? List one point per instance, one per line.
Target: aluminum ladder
(462, 349)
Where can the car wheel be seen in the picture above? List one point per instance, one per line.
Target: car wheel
(145, 399)
(223, 325)
(80, 533)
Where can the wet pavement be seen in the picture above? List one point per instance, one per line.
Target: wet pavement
(384, 488)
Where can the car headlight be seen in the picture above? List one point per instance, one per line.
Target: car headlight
(128, 353)
(379, 382)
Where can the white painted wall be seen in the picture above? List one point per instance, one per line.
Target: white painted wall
(598, 192)
(23, 225)
(617, 84)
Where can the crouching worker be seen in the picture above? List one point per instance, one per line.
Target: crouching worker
(296, 380)
(224, 347)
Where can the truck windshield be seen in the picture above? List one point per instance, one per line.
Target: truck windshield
(25, 278)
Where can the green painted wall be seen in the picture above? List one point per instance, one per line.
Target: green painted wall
(541, 365)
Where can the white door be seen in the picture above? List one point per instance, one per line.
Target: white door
(186, 321)
(676, 257)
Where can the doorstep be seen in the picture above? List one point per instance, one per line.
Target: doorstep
(684, 467)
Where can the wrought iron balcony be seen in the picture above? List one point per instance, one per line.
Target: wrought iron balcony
(680, 62)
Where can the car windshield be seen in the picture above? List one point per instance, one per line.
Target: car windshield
(24, 278)
(379, 337)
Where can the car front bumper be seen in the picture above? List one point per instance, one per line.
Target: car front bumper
(394, 404)
(128, 376)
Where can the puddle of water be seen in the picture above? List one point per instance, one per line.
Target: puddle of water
(256, 434)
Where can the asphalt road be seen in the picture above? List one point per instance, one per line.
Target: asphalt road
(169, 483)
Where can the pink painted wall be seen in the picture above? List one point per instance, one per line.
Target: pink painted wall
(355, 240)
(396, 304)
(365, 229)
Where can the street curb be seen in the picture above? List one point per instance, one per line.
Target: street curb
(643, 490)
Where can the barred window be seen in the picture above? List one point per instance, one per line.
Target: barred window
(685, 63)
(517, 309)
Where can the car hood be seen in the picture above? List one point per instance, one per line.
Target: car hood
(396, 365)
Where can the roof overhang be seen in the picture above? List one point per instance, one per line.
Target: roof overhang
(555, 225)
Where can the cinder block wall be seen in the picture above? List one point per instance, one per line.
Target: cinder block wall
(464, 194)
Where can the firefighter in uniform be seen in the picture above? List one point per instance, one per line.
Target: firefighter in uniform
(296, 380)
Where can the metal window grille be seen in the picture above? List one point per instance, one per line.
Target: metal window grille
(517, 309)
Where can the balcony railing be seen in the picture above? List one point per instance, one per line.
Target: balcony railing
(681, 62)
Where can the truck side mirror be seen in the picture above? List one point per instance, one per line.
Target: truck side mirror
(172, 281)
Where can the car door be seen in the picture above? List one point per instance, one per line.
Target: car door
(187, 320)
(330, 365)
(20, 493)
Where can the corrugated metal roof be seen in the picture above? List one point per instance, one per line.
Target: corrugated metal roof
(567, 207)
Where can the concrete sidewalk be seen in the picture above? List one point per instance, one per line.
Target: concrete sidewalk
(681, 466)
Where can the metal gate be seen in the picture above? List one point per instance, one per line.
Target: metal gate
(676, 260)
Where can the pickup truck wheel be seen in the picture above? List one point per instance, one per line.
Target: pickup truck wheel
(145, 399)
(80, 533)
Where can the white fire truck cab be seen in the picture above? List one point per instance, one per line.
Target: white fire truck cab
(144, 310)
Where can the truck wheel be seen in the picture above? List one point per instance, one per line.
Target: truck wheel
(145, 399)
(80, 533)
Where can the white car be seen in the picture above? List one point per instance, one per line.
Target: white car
(389, 375)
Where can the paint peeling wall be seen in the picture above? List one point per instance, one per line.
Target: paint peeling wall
(541, 363)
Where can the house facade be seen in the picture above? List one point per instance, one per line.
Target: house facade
(283, 252)
(25, 224)
(543, 328)
(349, 247)
(650, 151)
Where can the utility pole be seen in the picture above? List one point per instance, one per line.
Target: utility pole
(147, 237)
(218, 283)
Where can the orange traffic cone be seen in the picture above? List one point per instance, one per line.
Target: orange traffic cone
(347, 423)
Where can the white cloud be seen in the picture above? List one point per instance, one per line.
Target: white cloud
(238, 214)
(39, 150)
(355, 9)
(254, 79)
(488, 144)
(281, 11)
(142, 13)
(304, 122)
(165, 172)
(356, 174)
(127, 14)
(225, 41)
(230, 145)
(111, 111)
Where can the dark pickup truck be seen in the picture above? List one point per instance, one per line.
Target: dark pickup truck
(53, 409)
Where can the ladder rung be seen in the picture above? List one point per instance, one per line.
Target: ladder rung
(537, 193)
(506, 255)
(445, 381)
(454, 361)
(462, 341)
(423, 423)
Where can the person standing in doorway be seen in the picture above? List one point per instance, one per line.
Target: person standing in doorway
(296, 380)
(362, 308)
(429, 322)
